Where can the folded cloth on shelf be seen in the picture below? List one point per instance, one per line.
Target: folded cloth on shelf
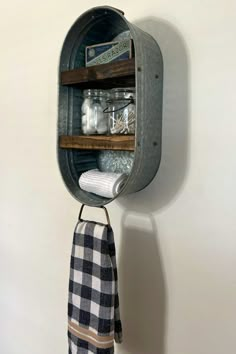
(93, 305)
(105, 184)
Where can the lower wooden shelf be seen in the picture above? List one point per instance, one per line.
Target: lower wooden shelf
(98, 142)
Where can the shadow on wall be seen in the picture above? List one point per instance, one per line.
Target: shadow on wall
(174, 164)
(142, 287)
(142, 284)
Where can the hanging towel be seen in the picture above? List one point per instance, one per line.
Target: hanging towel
(105, 184)
(93, 306)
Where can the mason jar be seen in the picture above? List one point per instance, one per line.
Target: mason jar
(93, 119)
(121, 111)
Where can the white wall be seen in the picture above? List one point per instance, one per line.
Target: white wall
(176, 240)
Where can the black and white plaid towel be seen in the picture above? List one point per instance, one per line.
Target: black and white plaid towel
(93, 307)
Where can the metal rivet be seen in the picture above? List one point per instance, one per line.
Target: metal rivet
(155, 143)
(139, 69)
(138, 143)
(157, 76)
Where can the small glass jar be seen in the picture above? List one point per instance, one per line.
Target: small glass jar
(93, 120)
(121, 111)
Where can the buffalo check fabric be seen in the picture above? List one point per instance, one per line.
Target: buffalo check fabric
(93, 306)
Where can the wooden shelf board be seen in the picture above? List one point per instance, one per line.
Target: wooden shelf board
(115, 74)
(98, 142)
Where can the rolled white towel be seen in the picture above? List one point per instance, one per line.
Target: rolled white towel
(105, 184)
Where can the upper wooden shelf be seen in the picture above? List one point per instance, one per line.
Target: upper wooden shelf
(115, 74)
(98, 142)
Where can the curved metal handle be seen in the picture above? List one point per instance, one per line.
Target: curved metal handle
(115, 8)
(106, 212)
(131, 101)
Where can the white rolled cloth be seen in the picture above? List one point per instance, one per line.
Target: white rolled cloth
(105, 184)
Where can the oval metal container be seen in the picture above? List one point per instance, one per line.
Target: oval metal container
(99, 25)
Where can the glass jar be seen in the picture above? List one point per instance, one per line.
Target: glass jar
(121, 111)
(93, 120)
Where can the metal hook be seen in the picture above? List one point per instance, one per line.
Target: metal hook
(106, 212)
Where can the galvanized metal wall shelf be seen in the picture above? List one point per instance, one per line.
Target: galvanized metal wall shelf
(77, 154)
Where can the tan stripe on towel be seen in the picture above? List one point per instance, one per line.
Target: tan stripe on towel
(87, 335)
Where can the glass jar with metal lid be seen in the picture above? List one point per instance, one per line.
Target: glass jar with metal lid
(93, 119)
(121, 111)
